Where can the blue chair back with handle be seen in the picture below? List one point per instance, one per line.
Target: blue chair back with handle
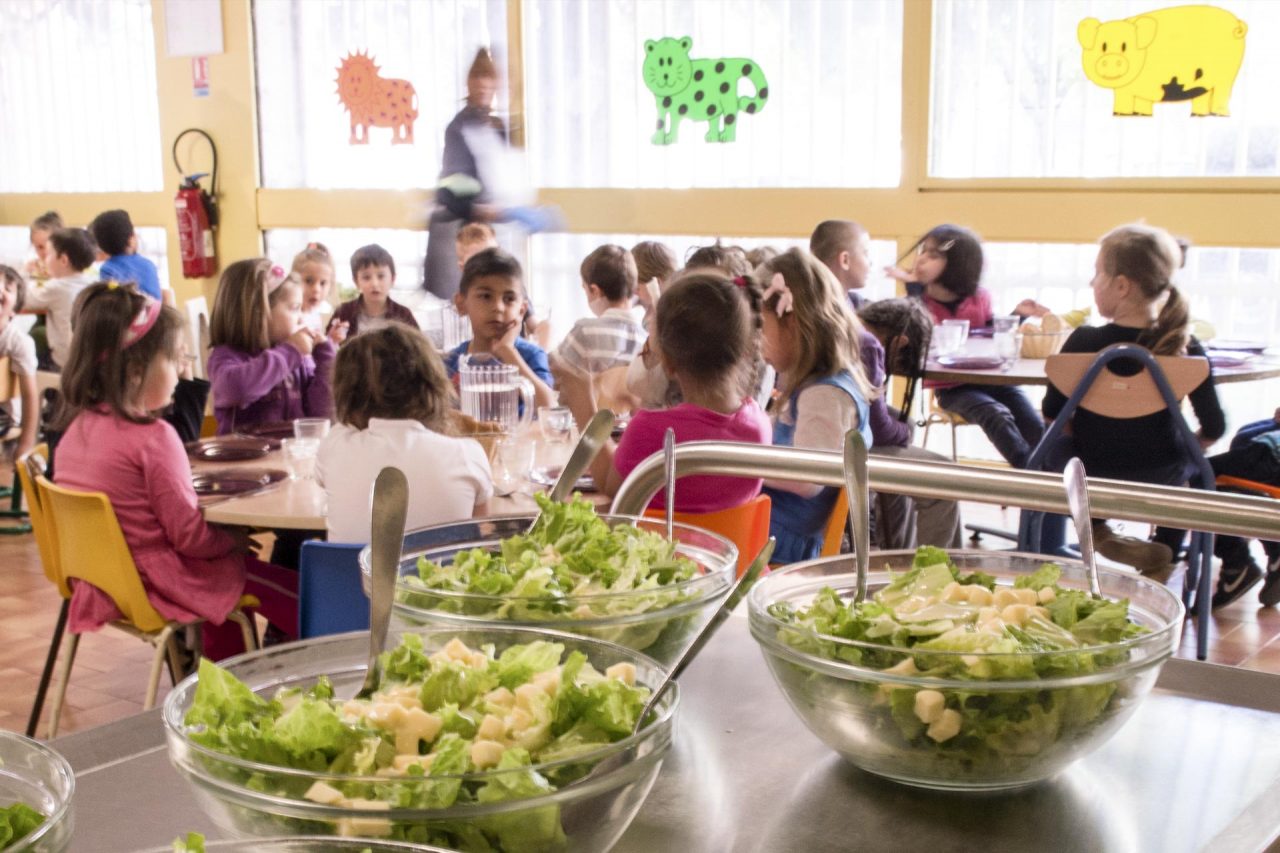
(330, 597)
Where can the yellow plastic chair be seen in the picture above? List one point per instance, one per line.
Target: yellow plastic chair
(27, 468)
(746, 526)
(90, 546)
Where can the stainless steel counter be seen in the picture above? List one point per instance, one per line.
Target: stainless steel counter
(1196, 768)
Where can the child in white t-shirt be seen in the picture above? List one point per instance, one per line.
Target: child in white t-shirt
(70, 253)
(391, 397)
(20, 349)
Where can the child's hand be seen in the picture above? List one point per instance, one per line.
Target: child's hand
(1031, 308)
(303, 340)
(898, 273)
(504, 348)
(338, 332)
(244, 541)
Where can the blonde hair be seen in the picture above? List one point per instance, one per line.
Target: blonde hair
(1148, 257)
(315, 253)
(827, 330)
(242, 308)
(654, 260)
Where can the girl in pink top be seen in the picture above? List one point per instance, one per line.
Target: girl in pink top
(946, 274)
(707, 336)
(123, 366)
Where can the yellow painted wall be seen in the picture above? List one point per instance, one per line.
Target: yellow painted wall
(1237, 212)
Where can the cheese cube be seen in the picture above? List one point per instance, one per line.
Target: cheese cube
(457, 650)
(549, 680)
(945, 727)
(1016, 614)
(954, 592)
(1046, 594)
(486, 754)
(583, 611)
(404, 762)
(929, 705)
(906, 666)
(528, 695)
(386, 715)
(1027, 596)
(979, 595)
(502, 697)
(323, 793)
(1004, 596)
(491, 728)
(519, 720)
(624, 672)
(479, 660)
(414, 726)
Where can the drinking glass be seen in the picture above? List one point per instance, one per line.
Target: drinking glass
(1007, 323)
(556, 423)
(963, 326)
(516, 454)
(300, 454)
(1008, 347)
(316, 428)
(947, 339)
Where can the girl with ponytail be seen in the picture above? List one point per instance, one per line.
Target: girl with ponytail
(1133, 289)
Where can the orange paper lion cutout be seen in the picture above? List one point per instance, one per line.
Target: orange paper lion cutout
(375, 101)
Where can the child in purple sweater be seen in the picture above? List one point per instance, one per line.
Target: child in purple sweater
(265, 365)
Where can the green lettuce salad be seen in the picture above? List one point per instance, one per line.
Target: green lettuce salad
(435, 717)
(932, 621)
(571, 566)
(16, 822)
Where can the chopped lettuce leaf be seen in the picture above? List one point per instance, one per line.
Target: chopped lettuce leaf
(16, 821)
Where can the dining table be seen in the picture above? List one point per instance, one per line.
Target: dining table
(1241, 367)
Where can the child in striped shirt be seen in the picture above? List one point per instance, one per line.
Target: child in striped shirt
(614, 336)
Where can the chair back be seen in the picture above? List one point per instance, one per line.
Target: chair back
(331, 599)
(1249, 486)
(1114, 396)
(834, 536)
(746, 526)
(198, 334)
(91, 548)
(29, 466)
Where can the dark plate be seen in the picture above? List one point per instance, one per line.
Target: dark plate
(547, 477)
(1234, 346)
(235, 481)
(970, 362)
(1222, 358)
(982, 332)
(273, 429)
(229, 448)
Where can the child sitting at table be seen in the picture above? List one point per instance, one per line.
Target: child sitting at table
(391, 398)
(20, 349)
(845, 247)
(374, 271)
(613, 336)
(811, 338)
(946, 274)
(491, 295)
(123, 367)
(655, 266)
(41, 227)
(71, 251)
(1254, 455)
(1133, 289)
(114, 234)
(314, 269)
(708, 337)
(265, 366)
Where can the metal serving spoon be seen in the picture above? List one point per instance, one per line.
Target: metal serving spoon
(390, 505)
(669, 489)
(855, 483)
(1078, 499)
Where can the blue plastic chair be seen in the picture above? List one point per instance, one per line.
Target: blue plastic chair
(331, 599)
(1199, 553)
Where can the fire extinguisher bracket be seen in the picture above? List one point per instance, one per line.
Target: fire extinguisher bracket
(197, 214)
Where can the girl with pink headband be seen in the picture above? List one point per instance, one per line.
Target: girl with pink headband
(123, 367)
(266, 365)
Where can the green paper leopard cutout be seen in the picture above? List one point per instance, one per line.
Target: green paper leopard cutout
(699, 89)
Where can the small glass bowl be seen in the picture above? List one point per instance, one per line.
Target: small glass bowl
(33, 774)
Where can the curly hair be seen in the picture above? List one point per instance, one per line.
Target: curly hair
(905, 327)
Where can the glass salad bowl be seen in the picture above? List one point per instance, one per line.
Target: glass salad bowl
(37, 777)
(301, 844)
(953, 711)
(583, 801)
(659, 618)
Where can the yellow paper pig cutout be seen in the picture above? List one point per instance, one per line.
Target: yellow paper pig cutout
(1185, 53)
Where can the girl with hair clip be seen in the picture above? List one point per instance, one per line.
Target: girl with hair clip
(265, 365)
(1133, 289)
(811, 338)
(313, 267)
(946, 275)
(707, 339)
(122, 368)
(393, 398)
(896, 342)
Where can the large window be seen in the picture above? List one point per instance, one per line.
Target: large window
(306, 131)
(79, 91)
(16, 251)
(1011, 99)
(831, 118)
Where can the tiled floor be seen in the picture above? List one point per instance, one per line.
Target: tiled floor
(110, 674)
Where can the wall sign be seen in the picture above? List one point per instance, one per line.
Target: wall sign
(375, 101)
(1185, 53)
(699, 89)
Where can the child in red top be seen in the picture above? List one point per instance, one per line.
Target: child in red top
(946, 274)
(123, 367)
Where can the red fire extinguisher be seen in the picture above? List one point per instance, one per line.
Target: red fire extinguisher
(197, 216)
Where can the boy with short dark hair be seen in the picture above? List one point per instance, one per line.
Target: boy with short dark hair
(113, 231)
(71, 251)
(613, 337)
(491, 295)
(374, 271)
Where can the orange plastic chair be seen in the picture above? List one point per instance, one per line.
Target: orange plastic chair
(1223, 481)
(90, 546)
(834, 536)
(746, 526)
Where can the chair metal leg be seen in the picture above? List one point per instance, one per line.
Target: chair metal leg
(161, 642)
(46, 675)
(245, 621)
(1204, 595)
(64, 676)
